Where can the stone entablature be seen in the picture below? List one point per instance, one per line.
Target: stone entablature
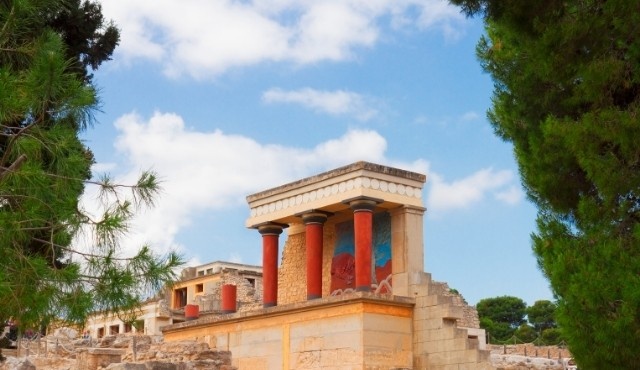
(328, 190)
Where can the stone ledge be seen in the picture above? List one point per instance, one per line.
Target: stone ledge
(332, 301)
(101, 351)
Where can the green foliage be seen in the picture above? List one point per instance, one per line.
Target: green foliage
(552, 336)
(497, 331)
(501, 316)
(505, 309)
(567, 95)
(44, 168)
(542, 315)
(526, 333)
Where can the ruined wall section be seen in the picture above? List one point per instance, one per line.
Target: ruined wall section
(248, 295)
(292, 274)
(439, 342)
(292, 278)
(469, 317)
(329, 241)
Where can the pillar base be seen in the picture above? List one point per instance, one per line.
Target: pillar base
(267, 305)
(313, 296)
(363, 288)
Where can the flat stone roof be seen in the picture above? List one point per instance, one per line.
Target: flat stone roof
(327, 191)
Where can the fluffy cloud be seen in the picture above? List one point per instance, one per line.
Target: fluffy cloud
(204, 38)
(337, 102)
(463, 193)
(203, 172)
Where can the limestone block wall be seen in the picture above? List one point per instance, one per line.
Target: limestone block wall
(248, 297)
(292, 274)
(439, 343)
(292, 277)
(469, 317)
(93, 358)
(531, 350)
(358, 331)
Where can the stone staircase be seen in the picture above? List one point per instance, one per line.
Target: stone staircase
(441, 342)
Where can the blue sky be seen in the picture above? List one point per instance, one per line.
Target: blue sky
(227, 98)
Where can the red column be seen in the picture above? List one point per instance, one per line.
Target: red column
(270, 235)
(363, 235)
(314, 222)
(229, 298)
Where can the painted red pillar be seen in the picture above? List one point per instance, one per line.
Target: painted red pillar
(191, 312)
(229, 298)
(270, 233)
(314, 229)
(363, 234)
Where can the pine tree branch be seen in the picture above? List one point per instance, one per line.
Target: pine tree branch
(13, 167)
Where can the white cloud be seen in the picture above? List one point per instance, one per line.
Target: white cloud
(98, 168)
(512, 195)
(202, 171)
(469, 116)
(337, 102)
(204, 38)
(463, 193)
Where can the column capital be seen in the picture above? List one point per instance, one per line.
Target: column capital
(314, 216)
(270, 228)
(363, 203)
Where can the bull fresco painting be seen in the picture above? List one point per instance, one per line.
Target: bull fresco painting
(343, 262)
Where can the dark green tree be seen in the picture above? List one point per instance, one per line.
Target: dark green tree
(501, 316)
(567, 95)
(45, 101)
(498, 331)
(551, 336)
(89, 39)
(542, 315)
(525, 334)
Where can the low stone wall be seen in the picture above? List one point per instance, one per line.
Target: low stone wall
(94, 358)
(530, 350)
(518, 362)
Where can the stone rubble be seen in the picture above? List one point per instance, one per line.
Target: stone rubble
(140, 352)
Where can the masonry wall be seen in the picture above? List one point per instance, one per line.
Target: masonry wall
(439, 342)
(94, 358)
(248, 297)
(292, 274)
(359, 331)
(469, 317)
(292, 278)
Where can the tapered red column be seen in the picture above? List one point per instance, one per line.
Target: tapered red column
(314, 229)
(363, 235)
(270, 233)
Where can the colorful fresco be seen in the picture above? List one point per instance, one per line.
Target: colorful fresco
(343, 262)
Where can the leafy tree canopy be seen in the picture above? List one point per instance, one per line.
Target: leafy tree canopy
(506, 309)
(542, 315)
(44, 167)
(567, 95)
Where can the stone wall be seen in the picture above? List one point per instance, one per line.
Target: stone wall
(439, 342)
(248, 297)
(126, 352)
(470, 317)
(292, 278)
(530, 350)
(94, 358)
